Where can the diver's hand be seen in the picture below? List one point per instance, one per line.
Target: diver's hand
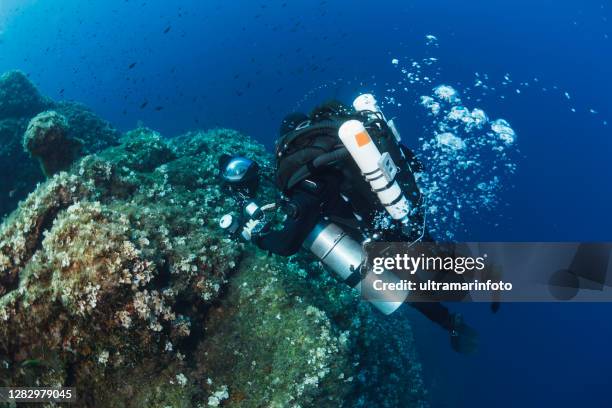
(253, 228)
(248, 231)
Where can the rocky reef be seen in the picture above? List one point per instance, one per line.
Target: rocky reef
(20, 102)
(116, 280)
(46, 139)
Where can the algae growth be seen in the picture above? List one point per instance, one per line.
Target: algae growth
(115, 279)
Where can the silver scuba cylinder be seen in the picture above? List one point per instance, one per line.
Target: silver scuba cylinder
(345, 257)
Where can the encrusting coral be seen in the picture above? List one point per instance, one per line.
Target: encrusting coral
(115, 279)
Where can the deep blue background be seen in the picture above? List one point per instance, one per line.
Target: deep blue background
(244, 64)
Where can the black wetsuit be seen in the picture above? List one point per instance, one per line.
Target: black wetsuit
(312, 200)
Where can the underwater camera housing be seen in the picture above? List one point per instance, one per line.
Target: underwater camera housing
(239, 174)
(252, 214)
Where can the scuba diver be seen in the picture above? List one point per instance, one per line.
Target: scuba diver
(340, 192)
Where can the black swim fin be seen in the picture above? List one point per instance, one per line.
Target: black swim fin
(464, 339)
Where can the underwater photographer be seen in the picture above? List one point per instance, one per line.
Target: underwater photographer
(338, 193)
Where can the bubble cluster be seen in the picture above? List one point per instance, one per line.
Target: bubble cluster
(468, 160)
(468, 157)
(431, 104)
(431, 40)
(446, 93)
(507, 87)
(450, 141)
(503, 130)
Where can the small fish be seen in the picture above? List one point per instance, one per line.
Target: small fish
(144, 104)
(158, 108)
(132, 65)
(167, 30)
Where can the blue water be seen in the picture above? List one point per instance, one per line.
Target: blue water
(244, 64)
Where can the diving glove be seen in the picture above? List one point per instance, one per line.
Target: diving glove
(464, 339)
(253, 228)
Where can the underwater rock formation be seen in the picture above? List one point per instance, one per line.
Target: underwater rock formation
(19, 97)
(46, 139)
(20, 101)
(115, 279)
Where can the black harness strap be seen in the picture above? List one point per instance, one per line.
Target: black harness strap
(395, 201)
(378, 190)
(310, 167)
(325, 126)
